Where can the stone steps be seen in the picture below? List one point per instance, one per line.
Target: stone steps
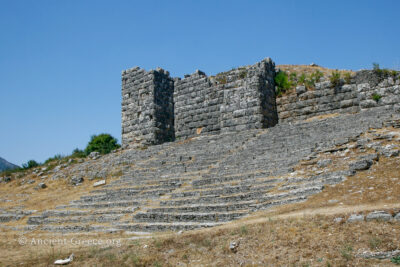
(159, 226)
(189, 216)
(35, 220)
(258, 195)
(207, 180)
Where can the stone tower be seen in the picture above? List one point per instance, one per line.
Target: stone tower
(157, 108)
(147, 107)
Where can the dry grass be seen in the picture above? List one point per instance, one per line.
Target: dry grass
(300, 241)
(306, 69)
(57, 192)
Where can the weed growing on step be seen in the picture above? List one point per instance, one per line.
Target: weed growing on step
(347, 78)
(242, 74)
(374, 242)
(335, 78)
(346, 252)
(221, 79)
(243, 230)
(376, 97)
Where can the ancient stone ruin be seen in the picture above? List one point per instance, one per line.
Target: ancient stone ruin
(239, 149)
(157, 108)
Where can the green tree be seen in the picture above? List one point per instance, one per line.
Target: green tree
(30, 164)
(282, 82)
(78, 153)
(103, 143)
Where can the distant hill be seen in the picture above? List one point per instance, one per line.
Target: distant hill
(5, 165)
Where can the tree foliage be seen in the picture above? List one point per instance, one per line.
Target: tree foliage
(103, 143)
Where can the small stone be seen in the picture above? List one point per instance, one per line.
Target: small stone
(338, 220)
(99, 183)
(360, 165)
(57, 168)
(233, 246)
(7, 179)
(301, 89)
(42, 185)
(379, 215)
(397, 217)
(94, 155)
(31, 181)
(76, 180)
(355, 218)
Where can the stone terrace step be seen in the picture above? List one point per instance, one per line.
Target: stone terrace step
(208, 180)
(159, 226)
(188, 217)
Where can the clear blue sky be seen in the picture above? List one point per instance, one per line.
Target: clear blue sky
(61, 61)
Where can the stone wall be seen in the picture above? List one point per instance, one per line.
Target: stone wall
(345, 98)
(147, 107)
(236, 100)
(157, 108)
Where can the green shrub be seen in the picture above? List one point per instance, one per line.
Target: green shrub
(242, 74)
(335, 78)
(30, 164)
(346, 252)
(56, 157)
(347, 78)
(316, 76)
(221, 79)
(375, 67)
(395, 260)
(376, 97)
(302, 79)
(78, 153)
(103, 143)
(309, 83)
(282, 82)
(293, 76)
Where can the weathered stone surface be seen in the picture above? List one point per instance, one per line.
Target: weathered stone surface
(147, 107)
(324, 163)
(355, 218)
(389, 151)
(346, 98)
(360, 165)
(94, 155)
(379, 215)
